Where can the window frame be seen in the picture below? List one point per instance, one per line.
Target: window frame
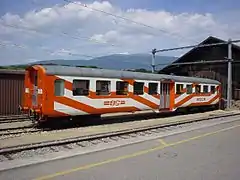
(81, 80)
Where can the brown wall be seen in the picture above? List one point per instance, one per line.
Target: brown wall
(213, 71)
(11, 90)
(222, 77)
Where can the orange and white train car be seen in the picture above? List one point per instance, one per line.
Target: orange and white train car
(63, 91)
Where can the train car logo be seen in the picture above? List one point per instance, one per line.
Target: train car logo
(201, 99)
(114, 102)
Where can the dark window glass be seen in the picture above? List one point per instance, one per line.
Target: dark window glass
(80, 87)
(213, 89)
(103, 87)
(138, 88)
(153, 88)
(189, 89)
(121, 88)
(179, 88)
(198, 89)
(205, 89)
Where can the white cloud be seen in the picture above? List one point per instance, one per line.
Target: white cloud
(94, 33)
(61, 52)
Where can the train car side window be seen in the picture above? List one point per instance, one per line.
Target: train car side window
(80, 87)
(213, 89)
(189, 89)
(205, 89)
(138, 88)
(59, 87)
(121, 88)
(103, 87)
(198, 89)
(179, 88)
(153, 88)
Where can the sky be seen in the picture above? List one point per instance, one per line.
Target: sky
(33, 30)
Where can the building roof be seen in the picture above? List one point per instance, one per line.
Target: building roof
(105, 73)
(209, 40)
(12, 71)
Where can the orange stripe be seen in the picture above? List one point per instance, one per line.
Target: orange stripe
(68, 85)
(156, 96)
(184, 100)
(177, 95)
(144, 101)
(57, 113)
(190, 97)
(75, 104)
(130, 81)
(205, 103)
(145, 89)
(92, 110)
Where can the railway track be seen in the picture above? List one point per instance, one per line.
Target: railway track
(82, 141)
(11, 129)
(18, 131)
(15, 128)
(15, 118)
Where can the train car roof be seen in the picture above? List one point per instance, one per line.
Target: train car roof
(106, 73)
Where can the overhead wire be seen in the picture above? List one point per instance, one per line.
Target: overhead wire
(127, 19)
(172, 64)
(107, 13)
(61, 33)
(145, 25)
(80, 37)
(47, 50)
(88, 38)
(41, 32)
(196, 46)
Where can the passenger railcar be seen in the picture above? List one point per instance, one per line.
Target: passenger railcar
(63, 91)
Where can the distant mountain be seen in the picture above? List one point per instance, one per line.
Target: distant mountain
(117, 61)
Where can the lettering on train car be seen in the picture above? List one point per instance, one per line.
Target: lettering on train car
(201, 99)
(114, 103)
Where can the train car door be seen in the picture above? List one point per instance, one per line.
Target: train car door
(34, 78)
(164, 95)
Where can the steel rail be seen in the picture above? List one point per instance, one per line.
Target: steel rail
(11, 119)
(20, 131)
(16, 128)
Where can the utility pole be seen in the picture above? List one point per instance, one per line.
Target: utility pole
(229, 86)
(153, 59)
